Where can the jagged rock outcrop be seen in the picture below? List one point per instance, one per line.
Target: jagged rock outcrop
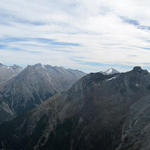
(100, 112)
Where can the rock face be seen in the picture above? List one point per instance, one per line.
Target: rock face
(7, 72)
(33, 86)
(99, 112)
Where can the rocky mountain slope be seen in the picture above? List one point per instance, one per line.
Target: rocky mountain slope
(7, 72)
(33, 86)
(99, 112)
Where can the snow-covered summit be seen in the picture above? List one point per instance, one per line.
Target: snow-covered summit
(111, 71)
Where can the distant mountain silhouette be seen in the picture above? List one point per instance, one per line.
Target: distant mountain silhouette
(7, 72)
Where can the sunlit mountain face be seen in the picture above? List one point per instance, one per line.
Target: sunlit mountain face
(30, 87)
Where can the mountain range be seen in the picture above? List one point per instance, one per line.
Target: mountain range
(99, 112)
(24, 89)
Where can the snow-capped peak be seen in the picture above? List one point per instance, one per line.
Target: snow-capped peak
(111, 71)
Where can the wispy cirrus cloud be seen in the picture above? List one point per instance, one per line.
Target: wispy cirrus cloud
(101, 33)
(135, 23)
(39, 40)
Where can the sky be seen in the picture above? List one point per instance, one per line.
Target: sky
(80, 34)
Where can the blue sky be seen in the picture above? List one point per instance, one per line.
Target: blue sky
(81, 34)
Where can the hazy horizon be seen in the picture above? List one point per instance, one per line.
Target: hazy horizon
(98, 70)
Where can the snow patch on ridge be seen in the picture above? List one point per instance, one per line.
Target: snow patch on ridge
(111, 78)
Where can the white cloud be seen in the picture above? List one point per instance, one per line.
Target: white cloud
(105, 30)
